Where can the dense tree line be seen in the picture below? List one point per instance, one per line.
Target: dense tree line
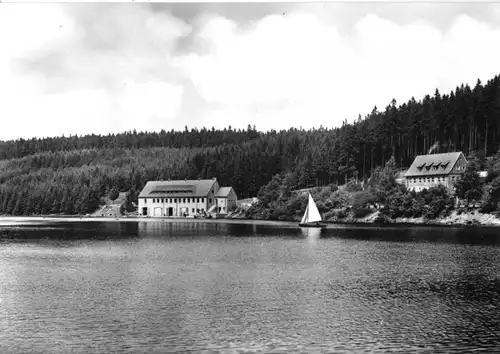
(71, 174)
(193, 138)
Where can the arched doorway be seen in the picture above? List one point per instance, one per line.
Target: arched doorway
(170, 211)
(145, 211)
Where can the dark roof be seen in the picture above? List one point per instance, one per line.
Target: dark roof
(434, 164)
(223, 192)
(182, 188)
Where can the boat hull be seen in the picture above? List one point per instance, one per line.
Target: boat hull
(317, 225)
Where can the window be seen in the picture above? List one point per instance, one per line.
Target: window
(189, 200)
(192, 210)
(183, 200)
(210, 200)
(175, 200)
(162, 200)
(145, 200)
(197, 200)
(203, 200)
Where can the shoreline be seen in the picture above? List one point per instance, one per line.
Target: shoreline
(454, 219)
(16, 220)
(466, 219)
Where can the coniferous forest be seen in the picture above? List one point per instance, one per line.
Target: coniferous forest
(70, 175)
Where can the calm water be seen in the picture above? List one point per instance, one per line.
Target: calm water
(154, 287)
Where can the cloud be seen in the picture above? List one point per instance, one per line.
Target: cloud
(99, 68)
(82, 68)
(300, 70)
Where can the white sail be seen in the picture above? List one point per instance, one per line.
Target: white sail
(305, 217)
(312, 213)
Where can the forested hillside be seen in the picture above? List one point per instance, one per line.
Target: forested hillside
(70, 174)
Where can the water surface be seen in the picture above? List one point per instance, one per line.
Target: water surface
(168, 287)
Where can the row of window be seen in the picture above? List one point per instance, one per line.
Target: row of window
(200, 210)
(180, 200)
(431, 179)
(458, 168)
(178, 191)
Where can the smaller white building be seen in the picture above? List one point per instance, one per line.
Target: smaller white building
(226, 200)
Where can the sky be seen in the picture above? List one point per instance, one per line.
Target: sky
(83, 68)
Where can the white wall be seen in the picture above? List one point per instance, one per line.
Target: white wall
(163, 204)
(222, 205)
(419, 183)
(227, 202)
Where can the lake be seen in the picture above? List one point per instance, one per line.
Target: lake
(170, 287)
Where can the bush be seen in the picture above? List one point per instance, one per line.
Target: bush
(114, 194)
(353, 187)
(339, 199)
(382, 219)
(333, 187)
(361, 203)
(340, 214)
(233, 207)
(361, 212)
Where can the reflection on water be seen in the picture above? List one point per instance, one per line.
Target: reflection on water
(159, 287)
(311, 232)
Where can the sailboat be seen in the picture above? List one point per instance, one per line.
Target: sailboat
(311, 216)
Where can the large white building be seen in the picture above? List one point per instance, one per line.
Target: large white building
(185, 198)
(435, 169)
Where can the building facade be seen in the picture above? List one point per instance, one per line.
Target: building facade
(226, 200)
(180, 198)
(436, 169)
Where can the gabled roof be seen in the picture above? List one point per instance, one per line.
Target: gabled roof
(434, 164)
(182, 188)
(223, 192)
